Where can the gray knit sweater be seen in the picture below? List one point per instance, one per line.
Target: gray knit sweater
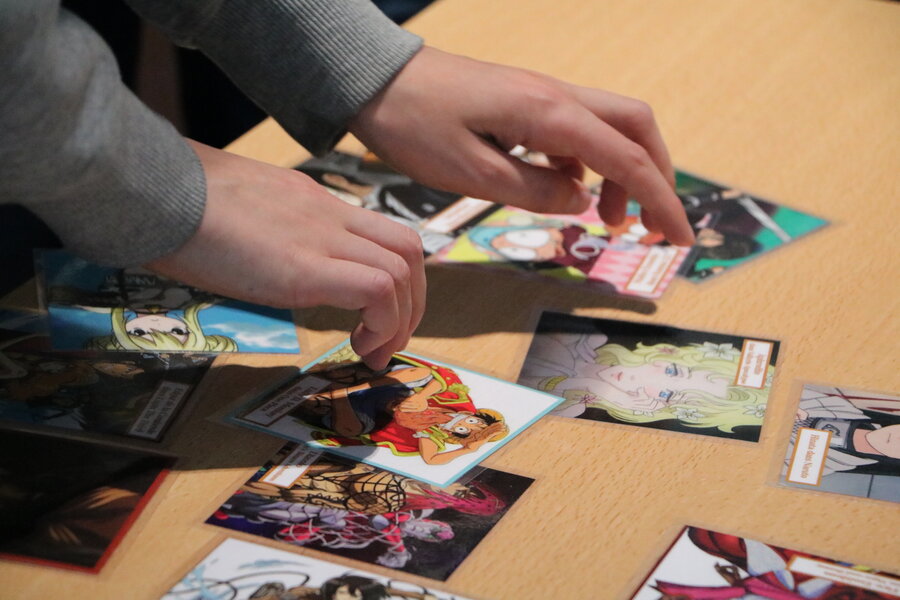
(114, 180)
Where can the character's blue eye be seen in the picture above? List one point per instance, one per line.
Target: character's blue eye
(672, 370)
(666, 395)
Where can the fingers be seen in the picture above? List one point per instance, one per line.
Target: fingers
(575, 131)
(613, 202)
(350, 285)
(360, 250)
(633, 118)
(497, 176)
(405, 243)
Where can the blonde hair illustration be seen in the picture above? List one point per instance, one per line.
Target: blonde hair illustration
(196, 341)
(742, 406)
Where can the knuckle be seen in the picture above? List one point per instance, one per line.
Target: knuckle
(380, 287)
(488, 169)
(410, 244)
(636, 159)
(639, 115)
(399, 270)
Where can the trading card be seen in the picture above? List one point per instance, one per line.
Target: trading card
(137, 395)
(845, 441)
(239, 570)
(653, 376)
(733, 227)
(68, 503)
(354, 510)
(568, 248)
(707, 565)
(417, 417)
(437, 216)
(101, 308)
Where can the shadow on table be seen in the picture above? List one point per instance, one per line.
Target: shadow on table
(465, 300)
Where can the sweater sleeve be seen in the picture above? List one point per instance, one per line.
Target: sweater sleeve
(311, 64)
(115, 181)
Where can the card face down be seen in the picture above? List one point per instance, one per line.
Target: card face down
(652, 376)
(134, 395)
(845, 441)
(707, 565)
(418, 417)
(240, 570)
(437, 216)
(68, 503)
(134, 310)
(573, 248)
(733, 227)
(351, 509)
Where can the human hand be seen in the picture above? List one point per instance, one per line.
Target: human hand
(448, 121)
(274, 236)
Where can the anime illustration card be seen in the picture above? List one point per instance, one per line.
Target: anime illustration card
(238, 570)
(653, 376)
(733, 227)
(438, 217)
(68, 503)
(103, 308)
(568, 247)
(417, 417)
(137, 395)
(707, 565)
(352, 509)
(845, 441)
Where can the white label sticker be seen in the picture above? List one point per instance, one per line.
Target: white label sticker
(867, 581)
(284, 475)
(159, 410)
(810, 450)
(269, 412)
(652, 270)
(754, 363)
(456, 215)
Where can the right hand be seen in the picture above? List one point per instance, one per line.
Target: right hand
(274, 236)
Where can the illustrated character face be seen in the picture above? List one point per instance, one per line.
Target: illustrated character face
(530, 245)
(143, 325)
(344, 593)
(466, 427)
(885, 440)
(658, 384)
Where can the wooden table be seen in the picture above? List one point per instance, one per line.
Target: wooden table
(796, 101)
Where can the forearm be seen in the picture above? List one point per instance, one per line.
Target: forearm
(112, 179)
(311, 64)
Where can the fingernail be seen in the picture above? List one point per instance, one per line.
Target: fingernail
(581, 199)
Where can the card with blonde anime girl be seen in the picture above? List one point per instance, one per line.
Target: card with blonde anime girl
(134, 310)
(653, 376)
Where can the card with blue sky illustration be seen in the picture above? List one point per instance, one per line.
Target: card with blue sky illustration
(103, 308)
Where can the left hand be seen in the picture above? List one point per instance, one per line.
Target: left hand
(449, 121)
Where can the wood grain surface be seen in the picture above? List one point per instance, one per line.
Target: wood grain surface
(794, 101)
